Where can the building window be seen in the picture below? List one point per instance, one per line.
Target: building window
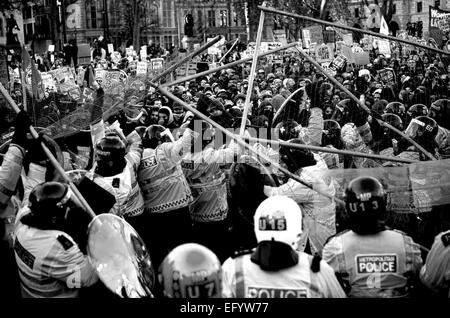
(223, 18)
(211, 18)
(419, 6)
(167, 41)
(356, 12)
(394, 8)
(94, 14)
(167, 11)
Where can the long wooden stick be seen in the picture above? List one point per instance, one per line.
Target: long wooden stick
(229, 65)
(187, 58)
(50, 156)
(251, 80)
(285, 103)
(239, 140)
(330, 150)
(392, 38)
(363, 106)
(231, 49)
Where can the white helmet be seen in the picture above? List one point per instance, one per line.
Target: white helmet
(278, 218)
(191, 271)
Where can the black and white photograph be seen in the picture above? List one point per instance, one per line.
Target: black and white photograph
(224, 149)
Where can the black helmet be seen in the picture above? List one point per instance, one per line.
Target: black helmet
(154, 135)
(423, 130)
(393, 120)
(396, 108)
(48, 203)
(416, 110)
(110, 154)
(365, 202)
(295, 158)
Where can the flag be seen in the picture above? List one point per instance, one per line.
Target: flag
(384, 29)
(28, 65)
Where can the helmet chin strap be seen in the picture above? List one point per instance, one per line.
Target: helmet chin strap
(274, 256)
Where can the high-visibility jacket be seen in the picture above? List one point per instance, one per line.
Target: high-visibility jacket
(161, 178)
(50, 263)
(124, 186)
(375, 265)
(241, 278)
(9, 176)
(435, 274)
(207, 182)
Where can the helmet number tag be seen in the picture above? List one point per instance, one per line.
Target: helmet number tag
(272, 224)
(201, 290)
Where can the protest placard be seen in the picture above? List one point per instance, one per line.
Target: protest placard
(324, 53)
(387, 76)
(338, 63)
(316, 33)
(110, 48)
(51, 48)
(141, 68)
(306, 35)
(157, 63)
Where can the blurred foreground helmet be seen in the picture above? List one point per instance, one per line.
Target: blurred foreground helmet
(365, 202)
(278, 218)
(191, 271)
(49, 200)
(155, 135)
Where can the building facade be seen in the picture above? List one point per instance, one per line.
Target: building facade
(404, 11)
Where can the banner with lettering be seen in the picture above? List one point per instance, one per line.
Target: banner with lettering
(439, 22)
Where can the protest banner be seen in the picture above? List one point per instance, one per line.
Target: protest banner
(439, 22)
(141, 68)
(329, 36)
(306, 35)
(348, 39)
(384, 47)
(64, 79)
(157, 63)
(361, 58)
(338, 63)
(48, 82)
(316, 34)
(324, 53)
(387, 76)
(192, 68)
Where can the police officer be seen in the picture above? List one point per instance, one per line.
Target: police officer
(166, 192)
(49, 261)
(10, 203)
(275, 269)
(191, 271)
(435, 274)
(115, 170)
(202, 168)
(369, 259)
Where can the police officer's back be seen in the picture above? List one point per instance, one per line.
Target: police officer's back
(371, 260)
(275, 269)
